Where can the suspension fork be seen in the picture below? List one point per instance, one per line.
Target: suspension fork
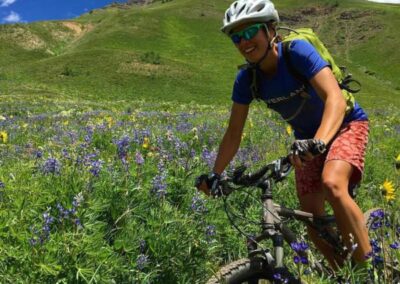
(270, 219)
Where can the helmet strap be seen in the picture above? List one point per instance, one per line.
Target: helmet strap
(269, 47)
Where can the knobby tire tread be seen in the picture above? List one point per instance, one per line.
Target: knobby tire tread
(240, 270)
(244, 270)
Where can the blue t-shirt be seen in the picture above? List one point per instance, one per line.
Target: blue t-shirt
(285, 94)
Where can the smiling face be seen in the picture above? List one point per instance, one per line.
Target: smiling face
(252, 49)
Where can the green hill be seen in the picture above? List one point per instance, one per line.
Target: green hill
(100, 143)
(174, 50)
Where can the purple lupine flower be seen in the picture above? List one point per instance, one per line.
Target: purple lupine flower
(142, 246)
(210, 232)
(377, 260)
(278, 277)
(65, 153)
(379, 213)
(375, 246)
(48, 220)
(159, 181)
(160, 185)
(95, 167)
(300, 259)
(208, 156)
(198, 204)
(142, 261)
(395, 245)
(299, 246)
(139, 158)
(38, 154)
(123, 146)
(51, 166)
(78, 223)
(63, 212)
(376, 225)
(33, 241)
(89, 136)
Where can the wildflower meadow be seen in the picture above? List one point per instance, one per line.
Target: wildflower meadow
(93, 193)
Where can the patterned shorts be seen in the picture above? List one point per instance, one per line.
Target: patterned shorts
(348, 145)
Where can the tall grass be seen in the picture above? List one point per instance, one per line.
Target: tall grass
(92, 194)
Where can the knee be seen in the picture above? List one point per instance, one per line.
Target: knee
(334, 190)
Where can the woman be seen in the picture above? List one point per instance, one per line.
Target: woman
(320, 122)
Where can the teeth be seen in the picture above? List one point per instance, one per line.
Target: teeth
(249, 49)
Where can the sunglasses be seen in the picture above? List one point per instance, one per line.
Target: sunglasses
(248, 33)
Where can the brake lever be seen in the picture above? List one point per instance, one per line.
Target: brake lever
(237, 173)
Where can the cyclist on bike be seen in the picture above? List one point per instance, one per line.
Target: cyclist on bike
(328, 153)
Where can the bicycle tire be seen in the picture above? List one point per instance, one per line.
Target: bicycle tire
(250, 271)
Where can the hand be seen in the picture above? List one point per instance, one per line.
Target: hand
(305, 150)
(209, 184)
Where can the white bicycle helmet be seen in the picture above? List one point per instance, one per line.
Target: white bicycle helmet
(243, 11)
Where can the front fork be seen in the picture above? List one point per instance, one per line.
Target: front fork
(270, 217)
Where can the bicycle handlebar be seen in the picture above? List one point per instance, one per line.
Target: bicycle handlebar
(277, 171)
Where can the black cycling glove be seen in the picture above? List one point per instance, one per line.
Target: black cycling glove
(313, 146)
(213, 183)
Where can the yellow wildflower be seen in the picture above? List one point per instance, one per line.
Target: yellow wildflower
(244, 135)
(251, 124)
(398, 162)
(109, 121)
(3, 137)
(388, 190)
(146, 143)
(289, 130)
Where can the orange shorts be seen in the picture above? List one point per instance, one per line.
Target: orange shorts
(348, 145)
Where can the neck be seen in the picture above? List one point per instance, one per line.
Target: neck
(270, 64)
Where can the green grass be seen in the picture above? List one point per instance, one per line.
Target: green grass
(196, 59)
(162, 72)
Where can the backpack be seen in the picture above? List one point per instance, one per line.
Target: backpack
(308, 35)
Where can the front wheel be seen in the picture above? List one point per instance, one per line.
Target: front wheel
(251, 271)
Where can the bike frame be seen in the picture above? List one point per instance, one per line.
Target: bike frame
(274, 229)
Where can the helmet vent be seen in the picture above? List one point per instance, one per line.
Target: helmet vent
(241, 10)
(259, 7)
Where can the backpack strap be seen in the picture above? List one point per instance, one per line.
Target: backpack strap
(288, 60)
(297, 75)
(254, 84)
(252, 72)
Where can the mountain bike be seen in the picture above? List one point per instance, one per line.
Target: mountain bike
(267, 264)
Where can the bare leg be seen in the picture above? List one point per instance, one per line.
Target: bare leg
(314, 203)
(349, 217)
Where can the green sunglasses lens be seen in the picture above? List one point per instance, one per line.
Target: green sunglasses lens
(247, 33)
(250, 32)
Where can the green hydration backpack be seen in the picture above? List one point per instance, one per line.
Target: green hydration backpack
(308, 35)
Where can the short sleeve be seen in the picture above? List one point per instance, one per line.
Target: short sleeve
(241, 89)
(306, 58)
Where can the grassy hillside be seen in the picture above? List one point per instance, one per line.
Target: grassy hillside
(174, 50)
(106, 120)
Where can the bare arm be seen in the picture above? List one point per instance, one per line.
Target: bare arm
(326, 86)
(232, 137)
